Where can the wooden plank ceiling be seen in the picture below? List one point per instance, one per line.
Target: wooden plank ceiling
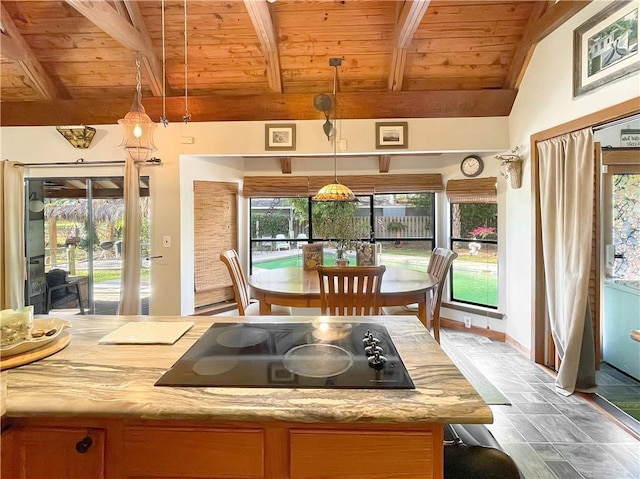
(73, 61)
(102, 188)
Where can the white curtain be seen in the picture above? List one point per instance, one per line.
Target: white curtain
(566, 210)
(13, 271)
(130, 290)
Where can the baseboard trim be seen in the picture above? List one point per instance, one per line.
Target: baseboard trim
(487, 333)
(457, 325)
(517, 346)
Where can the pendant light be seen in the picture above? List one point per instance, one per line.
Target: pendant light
(137, 127)
(335, 191)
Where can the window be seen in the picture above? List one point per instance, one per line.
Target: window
(405, 229)
(474, 236)
(400, 224)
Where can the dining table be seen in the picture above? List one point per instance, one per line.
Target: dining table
(299, 287)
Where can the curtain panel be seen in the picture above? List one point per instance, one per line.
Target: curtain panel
(130, 290)
(566, 166)
(13, 271)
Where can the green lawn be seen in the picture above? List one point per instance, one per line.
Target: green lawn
(479, 287)
(100, 275)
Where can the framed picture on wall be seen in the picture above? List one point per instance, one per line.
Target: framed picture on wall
(605, 48)
(392, 135)
(280, 137)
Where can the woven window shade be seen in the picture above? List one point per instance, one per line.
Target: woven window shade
(279, 186)
(215, 230)
(275, 186)
(477, 190)
(360, 185)
(408, 183)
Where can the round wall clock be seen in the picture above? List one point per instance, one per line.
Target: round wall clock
(472, 166)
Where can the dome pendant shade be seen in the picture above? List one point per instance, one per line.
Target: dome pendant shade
(335, 192)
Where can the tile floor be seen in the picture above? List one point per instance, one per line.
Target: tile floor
(620, 389)
(548, 435)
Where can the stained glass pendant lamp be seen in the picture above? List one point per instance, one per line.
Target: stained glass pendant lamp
(335, 191)
(137, 126)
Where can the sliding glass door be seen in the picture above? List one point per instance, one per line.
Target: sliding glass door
(621, 281)
(83, 233)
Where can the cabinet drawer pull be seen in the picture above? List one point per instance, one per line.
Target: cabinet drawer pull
(84, 444)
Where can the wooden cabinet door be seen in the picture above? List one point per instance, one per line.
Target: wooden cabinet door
(46, 453)
(321, 454)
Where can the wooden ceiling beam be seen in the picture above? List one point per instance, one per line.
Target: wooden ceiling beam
(525, 48)
(152, 64)
(10, 49)
(76, 184)
(555, 16)
(544, 19)
(285, 165)
(384, 162)
(137, 39)
(266, 107)
(408, 22)
(260, 16)
(17, 49)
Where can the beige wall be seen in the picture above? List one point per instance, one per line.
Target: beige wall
(545, 99)
(217, 155)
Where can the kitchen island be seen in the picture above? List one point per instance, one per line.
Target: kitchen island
(92, 410)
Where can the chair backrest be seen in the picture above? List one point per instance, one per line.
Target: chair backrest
(240, 288)
(57, 277)
(439, 266)
(350, 290)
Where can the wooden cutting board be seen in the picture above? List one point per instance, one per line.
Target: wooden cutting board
(34, 355)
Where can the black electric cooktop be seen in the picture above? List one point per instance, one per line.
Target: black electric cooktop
(292, 355)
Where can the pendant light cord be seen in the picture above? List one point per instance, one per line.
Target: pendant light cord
(163, 118)
(187, 116)
(335, 126)
(138, 81)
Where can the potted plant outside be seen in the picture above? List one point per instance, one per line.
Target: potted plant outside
(336, 222)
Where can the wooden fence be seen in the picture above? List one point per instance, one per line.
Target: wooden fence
(390, 226)
(403, 226)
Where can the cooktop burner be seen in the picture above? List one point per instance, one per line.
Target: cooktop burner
(292, 355)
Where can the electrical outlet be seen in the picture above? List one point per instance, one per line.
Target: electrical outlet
(166, 241)
(467, 321)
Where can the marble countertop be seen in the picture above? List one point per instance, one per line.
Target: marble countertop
(105, 380)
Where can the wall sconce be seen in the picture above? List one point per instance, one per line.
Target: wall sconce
(511, 167)
(80, 136)
(35, 204)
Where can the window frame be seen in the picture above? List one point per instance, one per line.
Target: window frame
(433, 211)
(453, 239)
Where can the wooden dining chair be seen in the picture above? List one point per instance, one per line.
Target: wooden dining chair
(439, 266)
(350, 290)
(246, 305)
